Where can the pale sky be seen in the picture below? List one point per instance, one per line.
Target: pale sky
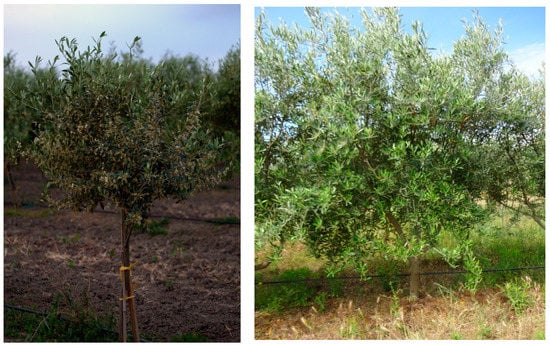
(208, 31)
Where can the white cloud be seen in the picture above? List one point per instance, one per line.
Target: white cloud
(529, 58)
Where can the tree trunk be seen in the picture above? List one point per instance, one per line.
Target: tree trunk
(414, 261)
(16, 201)
(414, 270)
(127, 298)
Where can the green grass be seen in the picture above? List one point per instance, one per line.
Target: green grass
(192, 337)
(78, 324)
(517, 292)
(309, 290)
(388, 270)
(155, 227)
(226, 220)
(82, 325)
(28, 213)
(501, 242)
(508, 245)
(278, 297)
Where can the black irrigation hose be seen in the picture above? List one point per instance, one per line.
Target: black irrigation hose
(229, 220)
(219, 221)
(489, 270)
(44, 313)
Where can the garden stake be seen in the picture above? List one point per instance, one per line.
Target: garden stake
(125, 274)
(122, 322)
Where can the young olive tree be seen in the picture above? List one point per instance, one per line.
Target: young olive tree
(365, 142)
(106, 139)
(227, 94)
(18, 116)
(225, 108)
(219, 92)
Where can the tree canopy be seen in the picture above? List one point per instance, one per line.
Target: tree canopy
(368, 143)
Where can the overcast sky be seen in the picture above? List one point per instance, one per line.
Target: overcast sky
(524, 27)
(208, 31)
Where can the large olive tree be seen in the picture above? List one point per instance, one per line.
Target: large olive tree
(366, 142)
(106, 139)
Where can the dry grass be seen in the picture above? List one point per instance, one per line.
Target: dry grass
(484, 315)
(293, 256)
(444, 311)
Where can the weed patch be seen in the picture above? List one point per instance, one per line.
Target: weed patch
(517, 293)
(226, 220)
(189, 338)
(155, 227)
(83, 325)
(28, 213)
(278, 297)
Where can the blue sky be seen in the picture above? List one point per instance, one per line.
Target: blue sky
(524, 27)
(208, 31)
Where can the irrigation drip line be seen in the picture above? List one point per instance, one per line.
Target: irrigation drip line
(206, 220)
(489, 270)
(44, 313)
(220, 221)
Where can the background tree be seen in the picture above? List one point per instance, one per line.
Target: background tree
(193, 83)
(18, 116)
(512, 157)
(107, 139)
(366, 143)
(225, 109)
(506, 126)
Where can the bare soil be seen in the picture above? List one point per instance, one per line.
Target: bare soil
(188, 280)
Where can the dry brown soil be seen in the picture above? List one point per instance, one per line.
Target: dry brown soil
(188, 280)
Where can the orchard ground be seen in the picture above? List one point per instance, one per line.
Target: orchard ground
(507, 305)
(187, 275)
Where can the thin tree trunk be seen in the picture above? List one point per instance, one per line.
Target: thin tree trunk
(414, 261)
(15, 195)
(414, 270)
(128, 296)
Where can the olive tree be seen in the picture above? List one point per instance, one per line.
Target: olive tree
(366, 142)
(227, 94)
(506, 129)
(225, 108)
(18, 116)
(219, 92)
(106, 140)
(511, 168)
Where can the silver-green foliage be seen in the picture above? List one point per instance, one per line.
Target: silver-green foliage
(366, 142)
(18, 116)
(105, 134)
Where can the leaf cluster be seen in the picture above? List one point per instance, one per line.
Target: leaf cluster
(367, 142)
(122, 130)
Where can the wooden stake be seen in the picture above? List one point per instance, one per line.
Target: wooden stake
(122, 322)
(127, 296)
